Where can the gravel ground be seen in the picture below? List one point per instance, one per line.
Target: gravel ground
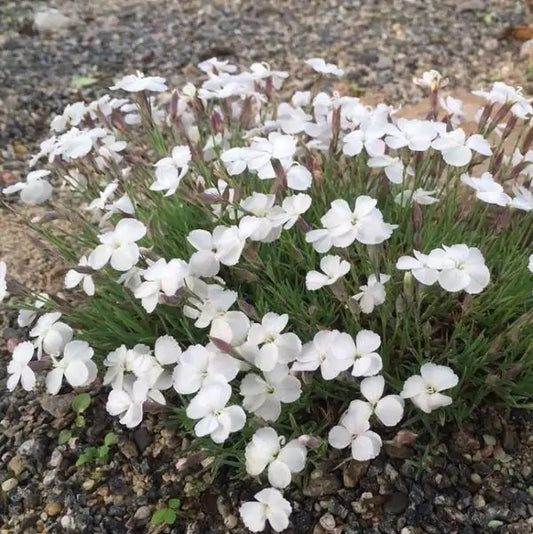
(477, 481)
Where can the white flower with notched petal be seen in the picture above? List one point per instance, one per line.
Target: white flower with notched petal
(199, 366)
(262, 151)
(211, 301)
(161, 277)
(392, 166)
(334, 268)
(77, 143)
(425, 267)
(263, 396)
(216, 419)
(266, 450)
(224, 246)
(35, 190)
(262, 71)
(418, 196)
(119, 246)
(373, 293)
(83, 276)
(170, 171)
(271, 507)
(76, 367)
(361, 353)
(26, 317)
(424, 390)
(256, 224)
(275, 346)
(290, 210)
(343, 226)
(505, 94)
(388, 409)
(415, 134)
(299, 177)
(127, 401)
(320, 353)
(456, 149)
(454, 108)
(487, 189)
(293, 120)
(51, 334)
(134, 83)
(468, 272)
(432, 79)
(354, 429)
(215, 66)
(318, 64)
(18, 367)
(523, 199)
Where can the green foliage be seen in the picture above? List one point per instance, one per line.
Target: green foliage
(167, 515)
(98, 454)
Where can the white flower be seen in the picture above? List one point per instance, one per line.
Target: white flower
(169, 171)
(52, 335)
(199, 366)
(262, 71)
(392, 166)
(257, 224)
(26, 317)
(456, 149)
(523, 199)
(354, 429)
(275, 346)
(454, 108)
(388, 409)
(3, 284)
(320, 353)
(72, 115)
(418, 196)
(18, 367)
(127, 402)
(77, 143)
(343, 226)
(35, 190)
(299, 177)
(318, 64)
(530, 265)
(161, 277)
(425, 267)
(119, 246)
(505, 94)
(468, 272)
(134, 83)
(231, 327)
(262, 151)
(216, 419)
(215, 66)
(415, 134)
(487, 189)
(293, 120)
(424, 389)
(266, 450)
(366, 361)
(432, 79)
(224, 245)
(234, 160)
(121, 360)
(290, 210)
(76, 366)
(373, 293)
(263, 396)
(74, 277)
(334, 268)
(271, 507)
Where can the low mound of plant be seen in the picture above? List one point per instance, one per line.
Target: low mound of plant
(279, 273)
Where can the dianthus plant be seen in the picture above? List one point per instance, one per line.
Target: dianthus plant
(284, 270)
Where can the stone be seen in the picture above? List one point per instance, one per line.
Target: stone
(53, 508)
(471, 5)
(321, 484)
(327, 522)
(353, 471)
(230, 521)
(57, 405)
(9, 484)
(396, 503)
(16, 465)
(142, 515)
(142, 438)
(128, 449)
(49, 20)
(526, 50)
(479, 501)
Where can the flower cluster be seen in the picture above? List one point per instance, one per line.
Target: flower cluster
(198, 259)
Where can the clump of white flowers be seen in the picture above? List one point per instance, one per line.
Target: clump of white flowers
(247, 262)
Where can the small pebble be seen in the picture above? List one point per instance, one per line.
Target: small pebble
(9, 484)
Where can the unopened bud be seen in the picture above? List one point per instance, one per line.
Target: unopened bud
(408, 286)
